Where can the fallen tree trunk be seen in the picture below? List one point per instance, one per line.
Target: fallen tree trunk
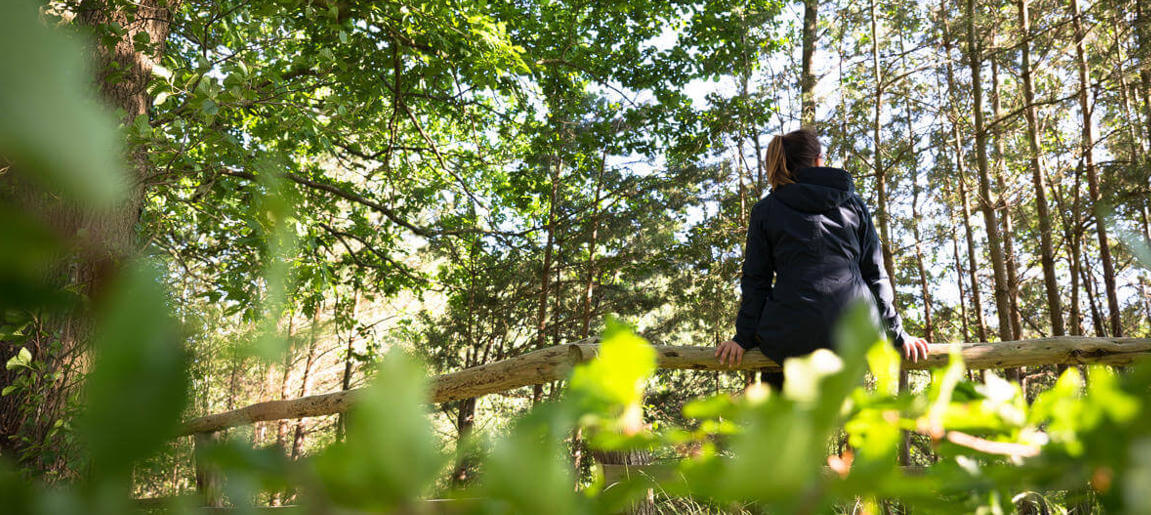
(554, 363)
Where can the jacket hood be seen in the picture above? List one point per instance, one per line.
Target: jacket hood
(816, 189)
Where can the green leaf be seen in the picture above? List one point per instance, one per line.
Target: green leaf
(21, 359)
(138, 386)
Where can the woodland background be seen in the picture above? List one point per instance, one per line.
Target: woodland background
(322, 181)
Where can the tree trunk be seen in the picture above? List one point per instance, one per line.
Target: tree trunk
(105, 238)
(957, 144)
(1091, 288)
(1092, 177)
(929, 327)
(465, 422)
(545, 274)
(913, 170)
(1046, 249)
(646, 505)
(959, 281)
(994, 241)
(306, 384)
(1074, 251)
(1143, 35)
(589, 282)
(1003, 203)
(877, 160)
(277, 497)
(807, 76)
(881, 199)
(346, 380)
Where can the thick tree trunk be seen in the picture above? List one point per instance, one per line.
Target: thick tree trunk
(623, 459)
(1092, 177)
(807, 76)
(104, 238)
(1046, 249)
(994, 241)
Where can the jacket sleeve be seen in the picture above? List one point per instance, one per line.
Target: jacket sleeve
(875, 275)
(755, 284)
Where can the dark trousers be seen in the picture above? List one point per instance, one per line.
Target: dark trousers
(772, 377)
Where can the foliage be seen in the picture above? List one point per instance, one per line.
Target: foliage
(762, 447)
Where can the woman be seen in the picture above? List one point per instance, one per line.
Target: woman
(815, 237)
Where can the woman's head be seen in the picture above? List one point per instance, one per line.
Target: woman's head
(790, 152)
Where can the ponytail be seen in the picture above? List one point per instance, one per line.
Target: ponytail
(788, 153)
(776, 164)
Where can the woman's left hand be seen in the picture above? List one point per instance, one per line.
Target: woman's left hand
(729, 353)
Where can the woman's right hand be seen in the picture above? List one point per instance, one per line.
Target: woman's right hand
(915, 348)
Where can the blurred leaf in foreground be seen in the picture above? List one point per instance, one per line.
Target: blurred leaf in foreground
(43, 82)
(612, 384)
(138, 386)
(390, 456)
(528, 471)
(778, 456)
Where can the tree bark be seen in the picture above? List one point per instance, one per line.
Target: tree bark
(1143, 39)
(346, 380)
(807, 76)
(1074, 251)
(548, 364)
(104, 239)
(877, 159)
(1046, 249)
(1004, 203)
(925, 288)
(994, 241)
(957, 145)
(545, 273)
(1092, 177)
(959, 281)
(589, 282)
(306, 384)
(881, 197)
(1091, 288)
(465, 423)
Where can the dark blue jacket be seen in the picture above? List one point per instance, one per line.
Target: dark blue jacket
(811, 250)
